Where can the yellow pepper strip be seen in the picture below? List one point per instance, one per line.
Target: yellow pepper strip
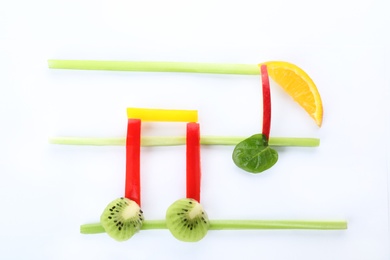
(163, 115)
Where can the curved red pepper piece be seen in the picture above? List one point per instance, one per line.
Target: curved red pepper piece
(266, 101)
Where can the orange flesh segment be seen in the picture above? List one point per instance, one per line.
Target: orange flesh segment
(299, 86)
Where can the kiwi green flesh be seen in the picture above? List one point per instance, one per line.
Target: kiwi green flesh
(122, 218)
(187, 221)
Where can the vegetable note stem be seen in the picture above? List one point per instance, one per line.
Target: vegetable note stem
(193, 169)
(133, 147)
(181, 140)
(156, 66)
(266, 101)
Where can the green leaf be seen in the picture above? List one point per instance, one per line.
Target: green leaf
(254, 155)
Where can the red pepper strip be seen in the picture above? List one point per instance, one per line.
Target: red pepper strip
(133, 150)
(193, 161)
(266, 101)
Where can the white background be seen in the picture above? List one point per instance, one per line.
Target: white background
(47, 191)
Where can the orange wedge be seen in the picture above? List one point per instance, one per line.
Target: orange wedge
(298, 85)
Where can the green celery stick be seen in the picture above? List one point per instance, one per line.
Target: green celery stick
(96, 228)
(156, 66)
(180, 140)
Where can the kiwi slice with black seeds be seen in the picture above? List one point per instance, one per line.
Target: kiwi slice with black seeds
(187, 220)
(122, 218)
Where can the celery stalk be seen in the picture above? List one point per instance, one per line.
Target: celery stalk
(277, 224)
(180, 140)
(96, 228)
(155, 66)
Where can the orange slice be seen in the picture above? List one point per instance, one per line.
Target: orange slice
(298, 85)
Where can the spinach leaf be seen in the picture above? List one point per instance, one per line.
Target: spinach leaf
(254, 155)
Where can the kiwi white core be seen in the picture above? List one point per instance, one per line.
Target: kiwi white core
(196, 211)
(130, 211)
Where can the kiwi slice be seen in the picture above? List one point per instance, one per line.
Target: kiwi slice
(187, 220)
(122, 218)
